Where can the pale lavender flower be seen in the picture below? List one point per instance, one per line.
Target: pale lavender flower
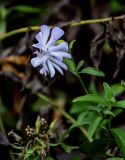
(49, 55)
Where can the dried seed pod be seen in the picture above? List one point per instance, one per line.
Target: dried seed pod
(30, 132)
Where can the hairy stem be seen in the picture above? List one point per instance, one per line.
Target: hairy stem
(70, 24)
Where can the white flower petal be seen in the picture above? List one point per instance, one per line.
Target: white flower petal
(55, 35)
(44, 70)
(61, 64)
(58, 68)
(36, 61)
(51, 68)
(56, 55)
(37, 45)
(61, 54)
(38, 37)
(61, 47)
(45, 30)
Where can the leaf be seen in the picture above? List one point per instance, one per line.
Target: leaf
(68, 148)
(70, 65)
(107, 89)
(80, 64)
(108, 92)
(25, 9)
(117, 89)
(93, 126)
(74, 125)
(97, 147)
(116, 6)
(38, 124)
(91, 98)
(120, 104)
(28, 154)
(81, 116)
(115, 158)
(49, 158)
(79, 107)
(52, 126)
(120, 139)
(71, 46)
(3, 20)
(92, 71)
(108, 112)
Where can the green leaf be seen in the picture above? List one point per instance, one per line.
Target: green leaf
(120, 139)
(92, 98)
(120, 104)
(52, 126)
(80, 64)
(38, 124)
(93, 126)
(74, 125)
(117, 89)
(108, 112)
(116, 6)
(36, 158)
(81, 116)
(49, 158)
(25, 9)
(78, 107)
(70, 65)
(28, 154)
(115, 158)
(3, 20)
(76, 158)
(97, 147)
(92, 71)
(71, 46)
(68, 148)
(108, 92)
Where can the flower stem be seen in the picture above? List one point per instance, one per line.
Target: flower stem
(70, 24)
(82, 83)
(64, 113)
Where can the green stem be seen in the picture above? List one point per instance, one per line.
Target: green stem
(64, 113)
(82, 83)
(79, 78)
(70, 24)
(18, 31)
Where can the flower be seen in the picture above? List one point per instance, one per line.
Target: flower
(50, 55)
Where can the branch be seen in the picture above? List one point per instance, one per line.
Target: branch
(70, 24)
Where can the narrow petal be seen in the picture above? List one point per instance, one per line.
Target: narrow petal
(44, 71)
(58, 68)
(51, 68)
(62, 54)
(61, 64)
(36, 62)
(38, 37)
(45, 30)
(56, 56)
(61, 47)
(55, 35)
(37, 45)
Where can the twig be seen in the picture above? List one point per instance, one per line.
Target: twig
(71, 24)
